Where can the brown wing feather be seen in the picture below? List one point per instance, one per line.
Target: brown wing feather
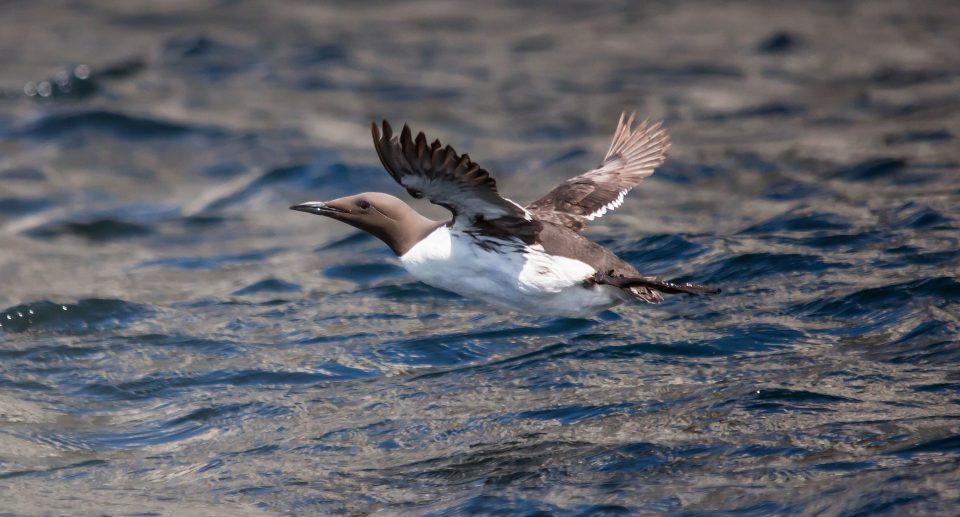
(634, 153)
(452, 181)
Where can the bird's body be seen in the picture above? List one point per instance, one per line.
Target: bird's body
(508, 274)
(531, 259)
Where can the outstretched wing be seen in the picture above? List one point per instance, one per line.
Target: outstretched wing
(454, 182)
(633, 155)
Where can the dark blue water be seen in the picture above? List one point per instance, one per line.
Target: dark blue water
(175, 341)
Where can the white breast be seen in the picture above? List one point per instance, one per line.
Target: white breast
(507, 274)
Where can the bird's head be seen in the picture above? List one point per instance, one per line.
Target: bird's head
(382, 215)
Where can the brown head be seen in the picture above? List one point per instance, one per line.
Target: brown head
(386, 217)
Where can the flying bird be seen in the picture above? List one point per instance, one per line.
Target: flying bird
(529, 258)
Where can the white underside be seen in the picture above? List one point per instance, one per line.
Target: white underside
(531, 281)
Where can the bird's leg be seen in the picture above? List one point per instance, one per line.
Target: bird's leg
(663, 286)
(608, 278)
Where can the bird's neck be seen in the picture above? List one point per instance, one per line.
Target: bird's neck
(409, 231)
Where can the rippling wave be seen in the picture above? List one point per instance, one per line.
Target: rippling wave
(173, 340)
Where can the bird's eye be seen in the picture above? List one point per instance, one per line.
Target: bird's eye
(363, 204)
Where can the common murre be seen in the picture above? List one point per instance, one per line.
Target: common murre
(531, 259)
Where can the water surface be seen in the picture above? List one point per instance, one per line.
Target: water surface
(175, 341)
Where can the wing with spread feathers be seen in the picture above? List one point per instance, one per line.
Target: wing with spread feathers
(454, 182)
(633, 156)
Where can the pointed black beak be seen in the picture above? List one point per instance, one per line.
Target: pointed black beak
(319, 208)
